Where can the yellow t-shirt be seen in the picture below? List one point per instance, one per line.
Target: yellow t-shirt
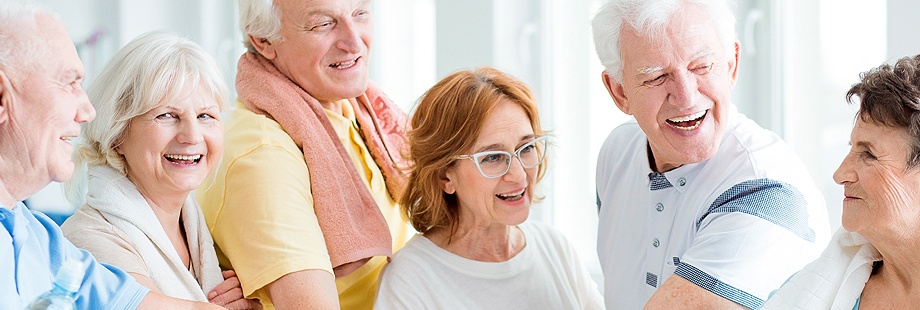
(259, 207)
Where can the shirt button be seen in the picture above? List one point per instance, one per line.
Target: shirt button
(681, 181)
(656, 243)
(659, 207)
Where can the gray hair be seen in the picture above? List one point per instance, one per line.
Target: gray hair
(20, 47)
(650, 18)
(150, 71)
(261, 19)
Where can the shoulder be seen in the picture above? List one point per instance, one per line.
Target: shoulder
(626, 135)
(246, 131)
(85, 224)
(621, 149)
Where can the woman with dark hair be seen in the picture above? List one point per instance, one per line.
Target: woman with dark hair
(478, 152)
(872, 260)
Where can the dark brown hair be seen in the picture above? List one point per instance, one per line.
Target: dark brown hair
(890, 95)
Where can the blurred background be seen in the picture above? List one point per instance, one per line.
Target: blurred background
(798, 60)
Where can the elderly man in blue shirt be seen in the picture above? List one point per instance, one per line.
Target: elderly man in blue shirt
(42, 105)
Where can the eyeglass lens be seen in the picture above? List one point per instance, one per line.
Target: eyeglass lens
(497, 163)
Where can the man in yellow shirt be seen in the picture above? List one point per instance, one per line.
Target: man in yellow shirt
(302, 204)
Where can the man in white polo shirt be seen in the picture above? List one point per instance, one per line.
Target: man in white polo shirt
(700, 208)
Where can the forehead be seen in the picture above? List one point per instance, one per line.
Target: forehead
(300, 8)
(507, 120)
(689, 34)
(55, 54)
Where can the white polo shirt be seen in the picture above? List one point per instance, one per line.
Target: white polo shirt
(738, 224)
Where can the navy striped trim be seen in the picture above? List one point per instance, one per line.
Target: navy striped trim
(651, 279)
(777, 202)
(720, 288)
(658, 181)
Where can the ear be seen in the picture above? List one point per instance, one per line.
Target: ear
(263, 46)
(6, 96)
(733, 66)
(616, 92)
(447, 185)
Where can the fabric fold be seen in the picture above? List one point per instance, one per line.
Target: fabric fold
(353, 227)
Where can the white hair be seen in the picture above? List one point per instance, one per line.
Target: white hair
(261, 19)
(150, 71)
(21, 47)
(650, 18)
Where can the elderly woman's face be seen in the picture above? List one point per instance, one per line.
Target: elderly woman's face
(172, 148)
(879, 194)
(501, 201)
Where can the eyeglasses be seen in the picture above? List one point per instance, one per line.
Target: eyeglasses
(494, 164)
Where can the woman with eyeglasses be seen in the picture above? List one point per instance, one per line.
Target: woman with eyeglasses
(478, 152)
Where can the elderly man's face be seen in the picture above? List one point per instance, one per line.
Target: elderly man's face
(678, 90)
(49, 105)
(880, 194)
(325, 46)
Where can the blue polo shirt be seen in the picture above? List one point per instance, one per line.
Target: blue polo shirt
(32, 249)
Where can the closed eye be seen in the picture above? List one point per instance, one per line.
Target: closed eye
(702, 70)
(656, 81)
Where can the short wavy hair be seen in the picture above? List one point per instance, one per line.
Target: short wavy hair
(150, 71)
(446, 122)
(890, 95)
(261, 19)
(650, 18)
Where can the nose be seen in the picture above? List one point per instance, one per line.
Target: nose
(85, 110)
(350, 37)
(683, 90)
(516, 172)
(844, 173)
(190, 133)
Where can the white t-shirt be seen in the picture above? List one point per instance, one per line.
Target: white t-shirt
(546, 274)
(738, 224)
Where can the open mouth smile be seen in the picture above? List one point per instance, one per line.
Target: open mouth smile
(183, 159)
(512, 196)
(345, 64)
(688, 122)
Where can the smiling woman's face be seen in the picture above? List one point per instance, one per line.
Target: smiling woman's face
(881, 196)
(502, 201)
(172, 148)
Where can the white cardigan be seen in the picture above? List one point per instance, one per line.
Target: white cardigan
(119, 228)
(833, 281)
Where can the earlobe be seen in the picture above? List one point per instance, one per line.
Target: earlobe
(263, 46)
(616, 92)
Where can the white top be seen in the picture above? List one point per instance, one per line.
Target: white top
(546, 274)
(833, 281)
(738, 224)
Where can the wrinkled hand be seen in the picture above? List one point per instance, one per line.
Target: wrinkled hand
(229, 294)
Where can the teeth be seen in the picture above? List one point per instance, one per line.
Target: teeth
(344, 65)
(68, 138)
(688, 117)
(511, 196)
(183, 157)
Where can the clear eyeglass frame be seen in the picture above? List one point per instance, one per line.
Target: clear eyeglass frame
(538, 145)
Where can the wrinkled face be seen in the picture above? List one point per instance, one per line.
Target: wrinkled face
(171, 149)
(679, 90)
(502, 201)
(881, 198)
(49, 106)
(325, 46)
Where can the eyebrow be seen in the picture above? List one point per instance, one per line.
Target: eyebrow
(495, 146)
(650, 70)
